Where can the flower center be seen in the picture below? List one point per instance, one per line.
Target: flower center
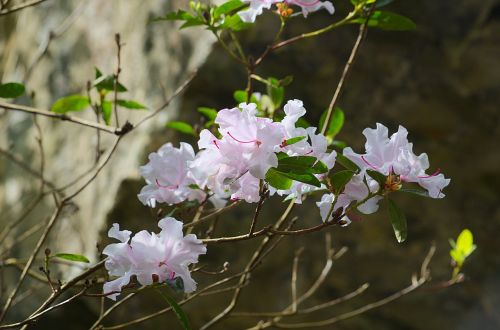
(392, 183)
(283, 10)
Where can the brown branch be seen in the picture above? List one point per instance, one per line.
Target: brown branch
(64, 117)
(254, 261)
(38, 246)
(211, 215)
(363, 29)
(117, 76)
(424, 277)
(119, 131)
(20, 7)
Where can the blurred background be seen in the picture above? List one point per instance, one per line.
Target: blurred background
(441, 81)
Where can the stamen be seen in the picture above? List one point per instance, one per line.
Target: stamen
(168, 187)
(257, 142)
(283, 144)
(215, 142)
(430, 176)
(367, 163)
(172, 275)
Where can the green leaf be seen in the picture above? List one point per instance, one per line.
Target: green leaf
(180, 15)
(234, 22)
(463, 247)
(210, 113)
(347, 163)
(296, 163)
(11, 90)
(383, 3)
(319, 167)
(387, 21)
(294, 140)
(465, 242)
(301, 168)
(275, 92)
(71, 257)
(286, 81)
(227, 8)
(379, 177)
(398, 221)
(107, 110)
(192, 22)
(240, 96)
(281, 155)
(130, 104)
(278, 180)
(181, 127)
(340, 179)
(181, 316)
(307, 178)
(453, 244)
(416, 191)
(107, 83)
(335, 125)
(70, 103)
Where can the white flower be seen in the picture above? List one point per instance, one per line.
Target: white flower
(152, 257)
(395, 155)
(313, 144)
(307, 6)
(325, 206)
(255, 9)
(168, 177)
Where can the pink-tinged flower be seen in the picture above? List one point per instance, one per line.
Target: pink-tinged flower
(307, 6)
(119, 262)
(313, 144)
(255, 9)
(249, 141)
(395, 155)
(168, 177)
(152, 257)
(355, 191)
(325, 205)
(246, 188)
(231, 166)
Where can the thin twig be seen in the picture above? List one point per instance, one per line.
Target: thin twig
(363, 29)
(20, 7)
(415, 285)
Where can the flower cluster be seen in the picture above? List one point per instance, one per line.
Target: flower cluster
(151, 258)
(233, 164)
(256, 7)
(394, 158)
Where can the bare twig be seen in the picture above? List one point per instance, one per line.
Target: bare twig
(363, 29)
(117, 76)
(61, 116)
(20, 7)
(424, 277)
